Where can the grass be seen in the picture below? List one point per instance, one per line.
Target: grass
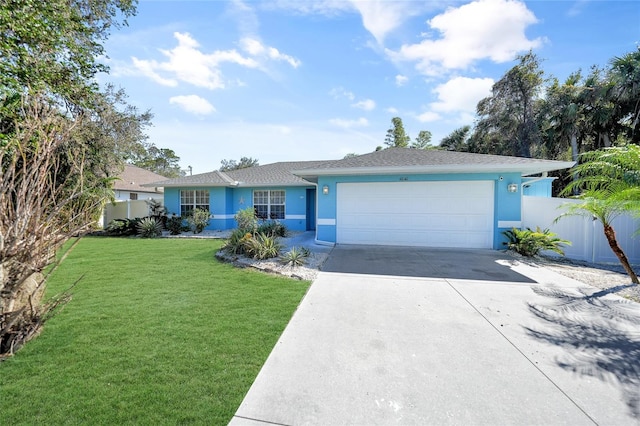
(158, 332)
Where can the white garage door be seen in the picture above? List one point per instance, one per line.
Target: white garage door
(429, 214)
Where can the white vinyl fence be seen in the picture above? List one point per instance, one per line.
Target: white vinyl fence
(126, 209)
(586, 235)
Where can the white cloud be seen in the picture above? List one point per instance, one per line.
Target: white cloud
(401, 80)
(255, 48)
(457, 99)
(461, 94)
(347, 124)
(483, 29)
(429, 116)
(146, 68)
(187, 63)
(341, 92)
(380, 17)
(392, 110)
(365, 104)
(193, 104)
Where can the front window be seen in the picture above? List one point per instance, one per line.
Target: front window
(269, 204)
(193, 199)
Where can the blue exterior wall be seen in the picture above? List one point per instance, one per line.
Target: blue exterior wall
(225, 202)
(172, 201)
(539, 188)
(507, 207)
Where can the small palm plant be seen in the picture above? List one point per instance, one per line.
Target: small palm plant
(530, 243)
(609, 184)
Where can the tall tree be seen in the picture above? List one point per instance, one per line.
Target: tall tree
(625, 75)
(245, 162)
(396, 136)
(62, 140)
(564, 110)
(456, 140)
(508, 116)
(162, 161)
(423, 141)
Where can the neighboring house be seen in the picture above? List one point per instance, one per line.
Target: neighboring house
(128, 186)
(131, 195)
(396, 196)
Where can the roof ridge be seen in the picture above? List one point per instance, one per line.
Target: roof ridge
(225, 177)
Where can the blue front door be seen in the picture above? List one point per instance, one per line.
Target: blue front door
(311, 209)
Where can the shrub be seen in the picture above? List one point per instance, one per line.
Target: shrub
(198, 220)
(122, 227)
(175, 225)
(247, 221)
(262, 246)
(529, 243)
(156, 209)
(236, 242)
(297, 256)
(273, 228)
(149, 227)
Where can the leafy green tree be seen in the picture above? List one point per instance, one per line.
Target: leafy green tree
(456, 140)
(609, 181)
(61, 142)
(162, 161)
(396, 135)
(245, 162)
(625, 76)
(565, 113)
(423, 141)
(53, 45)
(508, 118)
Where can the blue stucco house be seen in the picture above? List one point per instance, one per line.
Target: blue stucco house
(396, 196)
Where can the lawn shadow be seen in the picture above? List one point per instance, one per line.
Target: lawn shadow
(600, 336)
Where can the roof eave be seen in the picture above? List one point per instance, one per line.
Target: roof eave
(524, 169)
(234, 185)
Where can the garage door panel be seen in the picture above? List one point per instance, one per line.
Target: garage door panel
(432, 214)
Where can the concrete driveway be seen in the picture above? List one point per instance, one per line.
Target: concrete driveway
(472, 337)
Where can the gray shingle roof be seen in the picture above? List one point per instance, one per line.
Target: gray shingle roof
(214, 178)
(391, 160)
(275, 173)
(398, 160)
(266, 175)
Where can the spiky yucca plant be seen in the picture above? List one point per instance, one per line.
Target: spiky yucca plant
(149, 228)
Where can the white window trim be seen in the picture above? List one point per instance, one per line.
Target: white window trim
(268, 191)
(195, 204)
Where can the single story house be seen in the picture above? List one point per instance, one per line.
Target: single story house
(396, 196)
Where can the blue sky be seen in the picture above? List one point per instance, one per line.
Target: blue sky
(288, 80)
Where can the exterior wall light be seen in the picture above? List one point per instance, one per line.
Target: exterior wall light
(512, 187)
(325, 189)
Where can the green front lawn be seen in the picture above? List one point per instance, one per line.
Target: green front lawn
(158, 332)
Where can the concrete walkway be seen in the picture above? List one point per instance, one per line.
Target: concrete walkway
(386, 349)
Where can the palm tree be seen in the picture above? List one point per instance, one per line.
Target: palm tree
(610, 183)
(625, 74)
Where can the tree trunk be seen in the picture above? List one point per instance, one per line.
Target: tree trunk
(574, 146)
(606, 142)
(574, 157)
(617, 250)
